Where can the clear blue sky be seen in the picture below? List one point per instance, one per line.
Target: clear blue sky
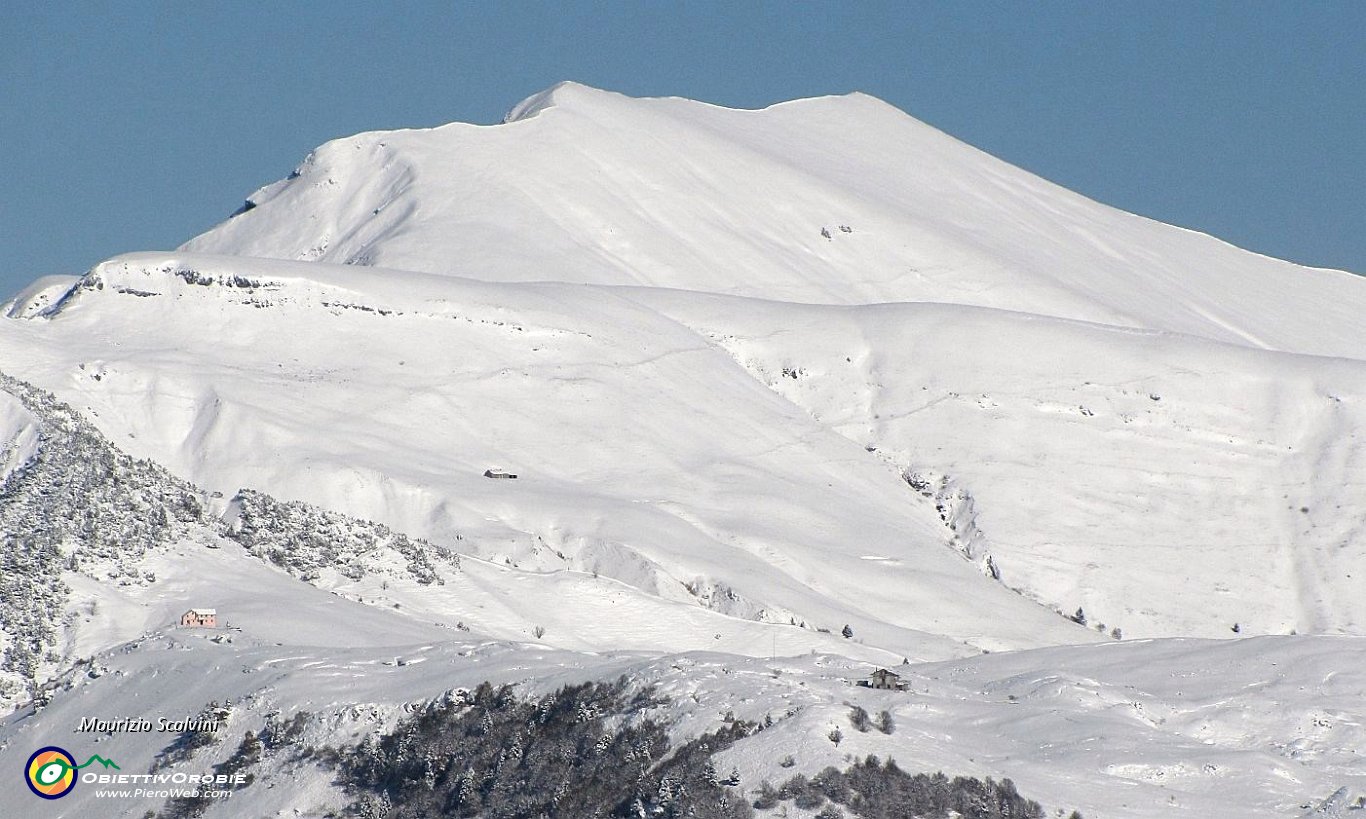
(134, 125)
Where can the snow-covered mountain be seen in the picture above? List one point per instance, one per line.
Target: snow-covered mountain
(836, 200)
(762, 376)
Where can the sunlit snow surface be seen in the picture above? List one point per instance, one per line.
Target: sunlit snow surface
(1248, 728)
(761, 374)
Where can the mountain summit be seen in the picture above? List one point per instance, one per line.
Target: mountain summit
(834, 200)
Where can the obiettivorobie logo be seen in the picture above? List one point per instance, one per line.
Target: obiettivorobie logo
(51, 771)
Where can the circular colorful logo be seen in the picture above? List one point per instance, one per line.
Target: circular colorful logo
(51, 772)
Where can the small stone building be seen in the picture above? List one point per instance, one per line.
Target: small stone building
(885, 680)
(200, 618)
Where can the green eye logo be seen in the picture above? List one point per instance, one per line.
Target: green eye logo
(51, 772)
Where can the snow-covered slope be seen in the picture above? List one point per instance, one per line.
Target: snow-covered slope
(838, 200)
(18, 437)
(1164, 484)
(872, 465)
(644, 453)
(98, 548)
(1251, 729)
(1125, 729)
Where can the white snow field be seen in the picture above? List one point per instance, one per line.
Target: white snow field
(18, 437)
(583, 185)
(761, 375)
(1260, 727)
